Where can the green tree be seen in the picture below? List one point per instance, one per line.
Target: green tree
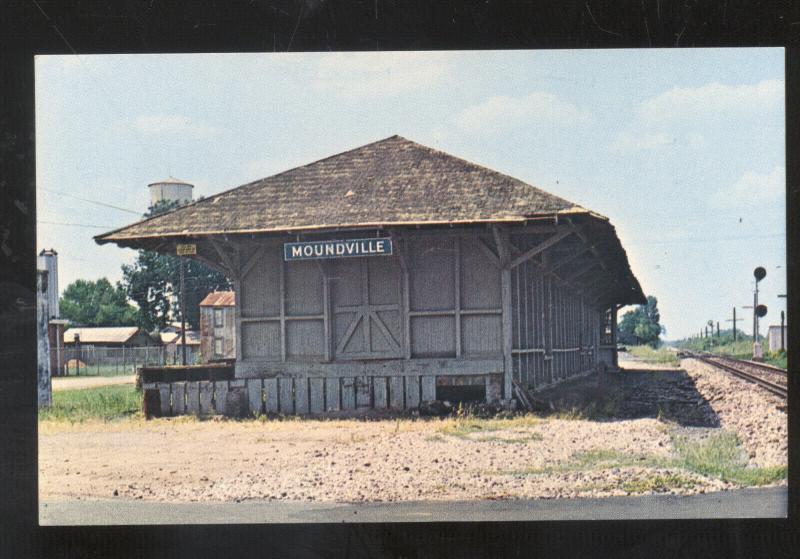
(641, 325)
(154, 279)
(97, 303)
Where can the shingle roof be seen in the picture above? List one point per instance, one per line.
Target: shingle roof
(97, 335)
(219, 299)
(390, 182)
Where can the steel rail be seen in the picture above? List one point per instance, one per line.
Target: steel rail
(774, 388)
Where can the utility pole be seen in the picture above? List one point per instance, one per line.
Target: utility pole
(718, 329)
(734, 320)
(783, 318)
(759, 273)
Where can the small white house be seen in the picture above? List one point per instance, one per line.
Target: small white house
(774, 337)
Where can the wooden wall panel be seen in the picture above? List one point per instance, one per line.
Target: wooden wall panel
(260, 295)
(332, 401)
(271, 395)
(254, 396)
(482, 335)
(301, 402)
(305, 339)
(433, 336)
(316, 394)
(286, 395)
(396, 393)
(303, 288)
(380, 392)
(431, 270)
(480, 278)
(261, 340)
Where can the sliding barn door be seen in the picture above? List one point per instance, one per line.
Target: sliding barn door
(367, 322)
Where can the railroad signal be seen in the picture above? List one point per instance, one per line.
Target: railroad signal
(758, 311)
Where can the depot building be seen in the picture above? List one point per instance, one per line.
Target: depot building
(395, 273)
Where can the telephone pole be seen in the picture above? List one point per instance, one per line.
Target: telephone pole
(734, 320)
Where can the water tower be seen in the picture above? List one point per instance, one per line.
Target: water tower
(48, 260)
(170, 190)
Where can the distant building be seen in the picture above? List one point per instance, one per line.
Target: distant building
(108, 336)
(173, 344)
(218, 326)
(774, 337)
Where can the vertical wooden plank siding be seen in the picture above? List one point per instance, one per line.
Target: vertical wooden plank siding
(332, 402)
(164, 394)
(505, 297)
(316, 394)
(285, 395)
(380, 392)
(396, 400)
(282, 290)
(457, 294)
(206, 395)
(301, 395)
(406, 301)
(363, 392)
(193, 398)
(220, 395)
(348, 393)
(255, 403)
(412, 392)
(428, 388)
(237, 316)
(271, 395)
(326, 309)
(178, 398)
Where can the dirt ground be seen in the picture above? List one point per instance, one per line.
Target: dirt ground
(182, 459)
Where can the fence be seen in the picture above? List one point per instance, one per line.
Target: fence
(110, 361)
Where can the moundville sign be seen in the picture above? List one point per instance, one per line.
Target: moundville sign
(381, 246)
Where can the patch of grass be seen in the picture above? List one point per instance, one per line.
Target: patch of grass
(597, 459)
(721, 455)
(106, 403)
(660, 356)
(656, 483)
(465, 426)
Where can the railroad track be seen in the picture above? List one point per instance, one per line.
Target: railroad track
(766, 376)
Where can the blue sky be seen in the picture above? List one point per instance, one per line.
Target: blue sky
(682, 149)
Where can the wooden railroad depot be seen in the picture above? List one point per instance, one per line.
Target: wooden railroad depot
(384, 275)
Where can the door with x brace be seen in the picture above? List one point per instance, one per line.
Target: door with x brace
(367, 322)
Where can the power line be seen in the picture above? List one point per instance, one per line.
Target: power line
(76, 224)
(92, 201)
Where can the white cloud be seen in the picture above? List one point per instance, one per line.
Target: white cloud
(173, 124)
(694, 102)
(626, 142)
(500, 112)
(753, 189)
(359, 75)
